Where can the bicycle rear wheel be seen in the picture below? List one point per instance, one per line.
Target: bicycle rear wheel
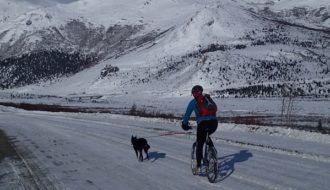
(212, 168)
(193, 158)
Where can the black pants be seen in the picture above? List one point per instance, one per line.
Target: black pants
(204, 127)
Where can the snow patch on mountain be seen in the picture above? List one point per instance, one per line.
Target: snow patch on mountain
(231, 48)
(315, 14)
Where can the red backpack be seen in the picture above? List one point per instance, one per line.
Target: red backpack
(207, 107)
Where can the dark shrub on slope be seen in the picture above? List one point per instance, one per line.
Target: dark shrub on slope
(44, 65)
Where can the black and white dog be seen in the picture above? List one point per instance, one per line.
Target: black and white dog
(140, 144)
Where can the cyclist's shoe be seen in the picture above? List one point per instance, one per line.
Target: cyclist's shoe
(196, 170)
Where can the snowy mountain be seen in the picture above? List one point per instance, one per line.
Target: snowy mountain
(126, 67)
(233, 48)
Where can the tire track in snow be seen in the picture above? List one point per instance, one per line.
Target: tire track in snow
(267, 148)
(164, 132)
(115, 139)
(35, 177)
(265, 184)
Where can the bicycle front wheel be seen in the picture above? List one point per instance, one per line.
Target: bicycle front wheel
(212, 168)
(193, 158)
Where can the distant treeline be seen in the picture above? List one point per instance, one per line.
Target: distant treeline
(43, 65)
(270, 90)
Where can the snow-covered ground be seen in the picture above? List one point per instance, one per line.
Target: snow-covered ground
(175, 104)
(305, 111)
(93, 151)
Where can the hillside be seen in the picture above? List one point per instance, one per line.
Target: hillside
(249, 48)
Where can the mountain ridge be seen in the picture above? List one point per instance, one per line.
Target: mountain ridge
(221, 45)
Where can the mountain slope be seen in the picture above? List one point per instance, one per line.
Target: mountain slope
(231, 48)
(309, 13)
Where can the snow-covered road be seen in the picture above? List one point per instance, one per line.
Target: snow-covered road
(93, 151)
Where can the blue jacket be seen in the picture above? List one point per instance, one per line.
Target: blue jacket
(193, 106)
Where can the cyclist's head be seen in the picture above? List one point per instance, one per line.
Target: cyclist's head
(197, 90)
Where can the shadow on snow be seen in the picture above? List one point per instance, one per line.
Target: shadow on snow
(227, 163)
(153, 156)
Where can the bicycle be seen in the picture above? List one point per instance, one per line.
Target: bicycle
(209, 161)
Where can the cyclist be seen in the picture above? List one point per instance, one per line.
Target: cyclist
(205, 123)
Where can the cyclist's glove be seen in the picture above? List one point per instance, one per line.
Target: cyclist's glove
(185, 127)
